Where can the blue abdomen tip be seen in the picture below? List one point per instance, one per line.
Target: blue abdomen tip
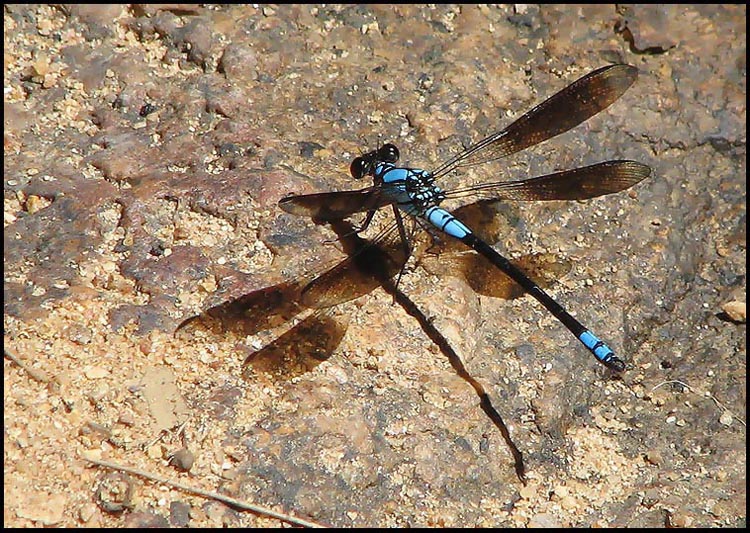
(597, 347)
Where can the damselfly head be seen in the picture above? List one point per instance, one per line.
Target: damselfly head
(365, 164)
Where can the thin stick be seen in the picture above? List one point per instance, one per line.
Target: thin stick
(39, 375)
(207, 494)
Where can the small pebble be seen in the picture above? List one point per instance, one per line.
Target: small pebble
(737, 311)
(182, 459)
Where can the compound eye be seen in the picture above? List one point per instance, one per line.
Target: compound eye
(358, 168)
(388, 153)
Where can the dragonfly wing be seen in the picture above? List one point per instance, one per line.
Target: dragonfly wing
(577, 184)
(252, 312)
(334, 205)
(372, 264)
(576, 103)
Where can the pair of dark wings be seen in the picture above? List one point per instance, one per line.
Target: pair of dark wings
(566, 109)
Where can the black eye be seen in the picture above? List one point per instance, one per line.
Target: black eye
(388, 153)
(358, 168)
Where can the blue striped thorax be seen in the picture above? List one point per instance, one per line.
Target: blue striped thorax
(413, 189)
